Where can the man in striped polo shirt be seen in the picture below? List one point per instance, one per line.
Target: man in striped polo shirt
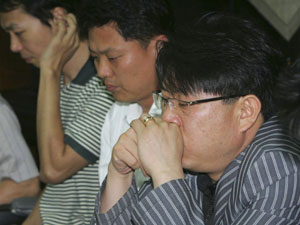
(218, 122)
(72, 104)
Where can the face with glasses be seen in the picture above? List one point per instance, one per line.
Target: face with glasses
(173, 103)
(209, 126)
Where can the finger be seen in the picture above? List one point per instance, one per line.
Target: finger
(53, 25)
(131, 134)
(138, 126)
(72, 19)
(131, 147)
(125, 151)
(60, 29)
(72, 32)
(71, 23)
(146, 118)
(123, 160)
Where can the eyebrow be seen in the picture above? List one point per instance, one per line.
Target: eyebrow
(100, 52)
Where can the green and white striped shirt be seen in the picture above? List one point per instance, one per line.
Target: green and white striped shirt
(84, 103)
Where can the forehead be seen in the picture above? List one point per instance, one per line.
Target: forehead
(107, 38)
(189, 97)
(16, 18)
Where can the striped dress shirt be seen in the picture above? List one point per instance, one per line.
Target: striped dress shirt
(260, 187)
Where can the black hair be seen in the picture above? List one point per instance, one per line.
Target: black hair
(288, 97)
(134, 19)
(40, 9)
(221, 55)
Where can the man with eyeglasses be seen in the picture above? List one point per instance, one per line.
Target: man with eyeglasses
(218, 154)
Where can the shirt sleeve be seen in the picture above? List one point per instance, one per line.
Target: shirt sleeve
(171, 203)
(120, 213)
(16, 161)
(106, 148)
(84, 131)
(176, 202)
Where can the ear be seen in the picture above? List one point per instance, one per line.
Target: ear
(160, 37)
(250, 108)
(155, 43)
(58, 12)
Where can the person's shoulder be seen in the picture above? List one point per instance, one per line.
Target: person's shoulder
(274, 160)
(273, 154)
(273, 136)
(4, 104)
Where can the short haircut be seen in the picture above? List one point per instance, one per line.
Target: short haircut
(40, 9)
(221, 55)
(288, 97)
(134, 19)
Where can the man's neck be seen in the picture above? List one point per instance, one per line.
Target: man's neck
(77, 61)
(146, 104)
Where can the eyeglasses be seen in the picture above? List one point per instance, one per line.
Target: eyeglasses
(161, 102)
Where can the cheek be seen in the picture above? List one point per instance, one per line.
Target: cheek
(37, 44)
(125, 66)
(199, 136)
(136, 71)
(191, 133)
(123, 72)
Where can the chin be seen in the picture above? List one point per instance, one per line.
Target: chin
(123, 98)
(190, 166)
(36, 64)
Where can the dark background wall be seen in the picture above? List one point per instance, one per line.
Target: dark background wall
(186, 10)
(19, 81)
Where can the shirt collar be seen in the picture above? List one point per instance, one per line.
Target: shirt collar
(135, 111)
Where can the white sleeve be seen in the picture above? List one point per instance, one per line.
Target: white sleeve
(106, 148)
(116, 123)
(16, 161)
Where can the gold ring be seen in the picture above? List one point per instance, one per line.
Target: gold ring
(147, 119)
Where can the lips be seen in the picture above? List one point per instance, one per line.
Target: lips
(110, 87)
(27, 59)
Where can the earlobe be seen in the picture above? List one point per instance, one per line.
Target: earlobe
(250, 108)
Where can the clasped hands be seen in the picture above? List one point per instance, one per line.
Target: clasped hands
(153, 145)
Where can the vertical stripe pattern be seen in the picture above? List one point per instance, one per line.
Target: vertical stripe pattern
(261, 186)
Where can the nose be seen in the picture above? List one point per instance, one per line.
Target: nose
(103, 68)
(15, 43)
(170, 116)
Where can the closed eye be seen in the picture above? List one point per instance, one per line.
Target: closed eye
(19, 33)
(183, 103)
(113, 58)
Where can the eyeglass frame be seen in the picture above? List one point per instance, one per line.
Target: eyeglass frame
(189, 103)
